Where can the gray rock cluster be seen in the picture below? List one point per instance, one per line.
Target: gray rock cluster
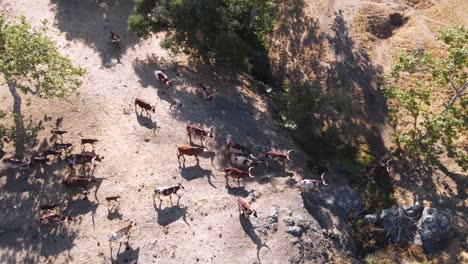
(428, 227)
(434, 229)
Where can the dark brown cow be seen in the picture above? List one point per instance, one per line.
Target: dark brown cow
(77, 182)
(196, 131)
(48, 206)
(236, 174)
(236, 148)
(110, 199)
(273, 155)
(144, 106)
(90, 141)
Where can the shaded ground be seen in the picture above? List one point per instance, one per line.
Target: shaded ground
(139, 151)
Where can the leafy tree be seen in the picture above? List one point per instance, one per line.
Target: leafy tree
(427, 98)
(230, 30)
(30, 62)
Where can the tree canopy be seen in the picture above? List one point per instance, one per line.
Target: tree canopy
(30, 61)
(231, 30)
(427, 98)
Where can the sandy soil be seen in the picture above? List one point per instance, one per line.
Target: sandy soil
(139, 155)
(139, 152)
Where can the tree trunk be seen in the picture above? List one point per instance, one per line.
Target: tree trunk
(20, 132)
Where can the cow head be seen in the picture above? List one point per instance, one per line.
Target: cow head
(153, 109)
(254, 213)
(168, 83)
(97, 158)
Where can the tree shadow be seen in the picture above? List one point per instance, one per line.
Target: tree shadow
(228, 110)
(91, 22)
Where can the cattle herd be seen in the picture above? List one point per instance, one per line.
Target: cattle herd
(242, 159)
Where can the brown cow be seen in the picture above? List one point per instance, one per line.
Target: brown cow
(236, 174)
(190, 151)
(244, 207)
(144, 106)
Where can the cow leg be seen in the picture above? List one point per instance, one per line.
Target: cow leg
(170, 198)
(238, 181)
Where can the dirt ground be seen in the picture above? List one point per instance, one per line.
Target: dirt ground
(140, 152)
(140, 155)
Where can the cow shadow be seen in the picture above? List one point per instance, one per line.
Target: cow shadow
(196, 172)
(147, 122)
(115, 214)
(82, 207)
(249, 229)
(169, 215)
(129, 255)
(238, 191)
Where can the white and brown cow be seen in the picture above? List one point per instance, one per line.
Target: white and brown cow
(162, 77)
(244, 208)
(310, 184)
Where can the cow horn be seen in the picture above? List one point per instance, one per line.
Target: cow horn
(252, 156)
(323, 180)
(287, 154)
(92, 160)
(204, 143)
(250, 174)
(388, 165)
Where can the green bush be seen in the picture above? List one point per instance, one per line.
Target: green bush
(427, 99)
(219, 29)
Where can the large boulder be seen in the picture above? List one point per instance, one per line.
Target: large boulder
(400, 227)
(434, 229)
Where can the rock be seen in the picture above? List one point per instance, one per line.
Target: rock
(289, 221)
(303, 223)
(371, 219)
(434, 229)
(273, 215)
(295, 231)
(414, 210)
(398, 224)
